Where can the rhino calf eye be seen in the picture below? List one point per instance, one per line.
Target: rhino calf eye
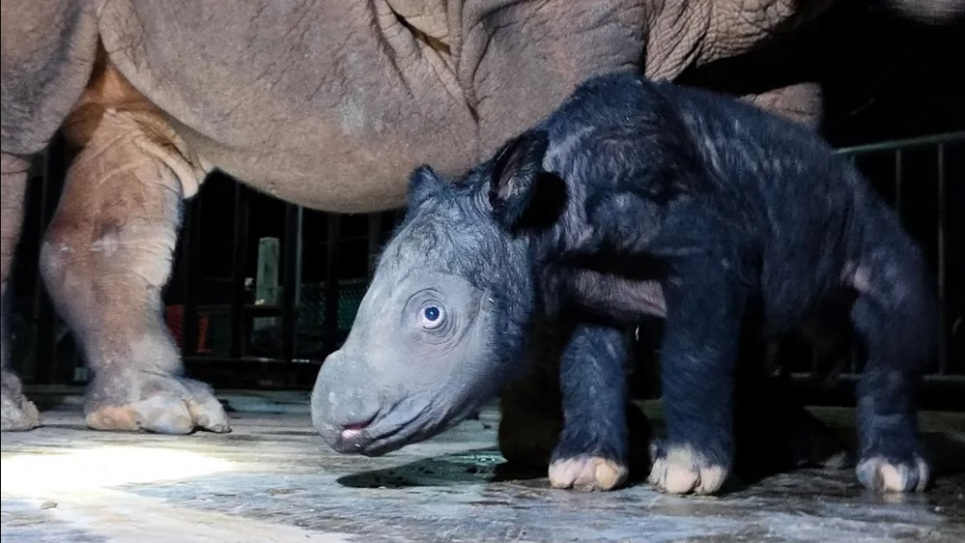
(431, 317)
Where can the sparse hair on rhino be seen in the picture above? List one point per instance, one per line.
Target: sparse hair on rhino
(633, 199)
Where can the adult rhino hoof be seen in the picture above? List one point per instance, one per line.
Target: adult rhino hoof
(17, 413)
(131, 401)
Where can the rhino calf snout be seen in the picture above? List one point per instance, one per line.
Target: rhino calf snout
(418, 356)
(342, 414)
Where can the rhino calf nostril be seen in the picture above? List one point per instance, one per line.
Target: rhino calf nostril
(351, 431)
(350, 434)
(354, 427)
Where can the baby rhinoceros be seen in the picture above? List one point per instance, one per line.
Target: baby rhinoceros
(634, 199)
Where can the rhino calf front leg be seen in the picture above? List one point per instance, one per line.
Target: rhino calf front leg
(592, 452)
(105, 259)
(698, 356)
(16, 411)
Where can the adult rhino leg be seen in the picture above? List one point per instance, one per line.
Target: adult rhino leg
(105, 259)
(16, 411)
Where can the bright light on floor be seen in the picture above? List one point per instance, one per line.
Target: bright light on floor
(102, 467)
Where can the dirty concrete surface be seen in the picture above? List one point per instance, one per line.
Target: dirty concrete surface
(273, 480)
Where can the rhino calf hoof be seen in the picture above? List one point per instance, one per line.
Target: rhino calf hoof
(587, 473)
(893, 475)
(681, 470)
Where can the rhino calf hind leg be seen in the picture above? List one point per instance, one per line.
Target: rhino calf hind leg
(105, 259)
(16, 411)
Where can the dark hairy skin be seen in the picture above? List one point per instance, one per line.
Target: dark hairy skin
(634, 199)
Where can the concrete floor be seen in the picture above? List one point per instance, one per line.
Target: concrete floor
(273, 480)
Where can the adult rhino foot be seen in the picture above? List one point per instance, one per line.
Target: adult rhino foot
(17, 413)
(134, 401)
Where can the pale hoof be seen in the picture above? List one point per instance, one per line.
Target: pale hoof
(681, 471)
(587, 473)
(167, 405)
(17, 413)
(880, 475)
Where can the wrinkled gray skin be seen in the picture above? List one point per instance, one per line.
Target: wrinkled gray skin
(327, 104)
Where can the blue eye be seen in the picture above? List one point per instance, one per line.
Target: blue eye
(431, 317)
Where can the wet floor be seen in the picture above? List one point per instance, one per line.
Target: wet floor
(273, 480)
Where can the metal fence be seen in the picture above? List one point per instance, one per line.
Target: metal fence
(233, 339)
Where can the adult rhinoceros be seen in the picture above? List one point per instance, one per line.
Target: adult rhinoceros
(328, 104)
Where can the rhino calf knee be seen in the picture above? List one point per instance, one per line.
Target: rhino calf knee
(633, 199)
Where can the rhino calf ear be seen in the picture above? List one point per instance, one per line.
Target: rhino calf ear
(516, 170)
(423, 183)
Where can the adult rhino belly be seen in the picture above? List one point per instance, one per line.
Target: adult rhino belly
(327, 104)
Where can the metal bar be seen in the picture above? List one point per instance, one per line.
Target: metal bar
(936, 139)
(239, 334)
(292, 277)
(942, 325)
(331, 283)
(191, 273)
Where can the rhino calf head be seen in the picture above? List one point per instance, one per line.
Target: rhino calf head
(446, 318)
